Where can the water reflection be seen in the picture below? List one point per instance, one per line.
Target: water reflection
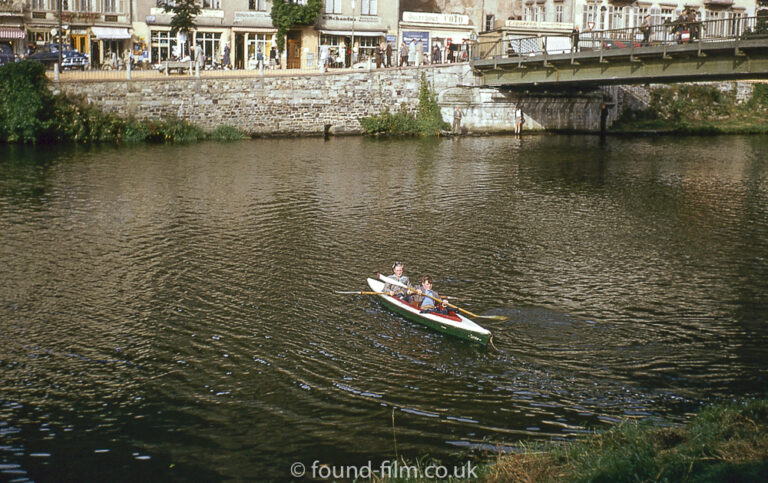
(170, 311)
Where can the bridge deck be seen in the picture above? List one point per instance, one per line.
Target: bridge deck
(728, 59)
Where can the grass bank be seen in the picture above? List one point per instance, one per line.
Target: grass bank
(699, 109)
(30, 113)
(723, 443)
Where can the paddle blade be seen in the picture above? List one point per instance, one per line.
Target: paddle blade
(493, 317)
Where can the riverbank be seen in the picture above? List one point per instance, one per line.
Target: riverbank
(697, 109)
(722, 443)
(727, 442)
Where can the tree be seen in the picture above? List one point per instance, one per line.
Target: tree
(184, 13)
(287, 13)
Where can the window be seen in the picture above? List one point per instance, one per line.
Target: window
(163, 45)
(258, 5)
(332, 6)
(370, 7)
(212, 4)
(82, 6)
(640, 14)
(210, 42)
(39, 5)
(111, 6)
(490, 20)
(528, 14)
(590, 15)
(558, 13)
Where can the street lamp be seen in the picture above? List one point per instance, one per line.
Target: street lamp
(352, 47)
(60, 29)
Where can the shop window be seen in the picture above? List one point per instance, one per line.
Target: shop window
(163, 46)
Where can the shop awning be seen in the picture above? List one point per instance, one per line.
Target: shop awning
(110, 33)
(357, 33)
(11, 33)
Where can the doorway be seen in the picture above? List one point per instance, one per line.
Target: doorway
(293, 47)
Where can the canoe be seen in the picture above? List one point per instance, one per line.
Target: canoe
(452, 324)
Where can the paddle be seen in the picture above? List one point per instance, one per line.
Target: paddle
(362, 293)
(398, 284)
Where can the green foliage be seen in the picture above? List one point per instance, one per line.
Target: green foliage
(175, 130)
(24, 94)
(285, 14)
(391, 123)
(723, 443)
(428, 120)
(225, 132)
(184, 13)
(699, 109)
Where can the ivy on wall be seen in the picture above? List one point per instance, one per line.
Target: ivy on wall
(287, 13)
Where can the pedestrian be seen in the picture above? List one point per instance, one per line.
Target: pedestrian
(436, 54)
(377, 53)
(457, 115)
(646, 30)
(260, 59)
(325, 55)
(403, 54)
(575, 39)
(198, 56)
(603, 118)
(273, 57)
(412, 52)
(388, 53)
(518, 120)
(419, 53)
(226, 60)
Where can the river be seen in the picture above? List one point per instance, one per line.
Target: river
(168, 312)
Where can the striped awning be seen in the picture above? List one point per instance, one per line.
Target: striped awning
(11, 33)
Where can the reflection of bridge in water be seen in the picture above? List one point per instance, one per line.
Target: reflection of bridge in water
(674, 52)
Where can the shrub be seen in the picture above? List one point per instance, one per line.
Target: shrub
(24, 94)
(427, 122)
(226, 132)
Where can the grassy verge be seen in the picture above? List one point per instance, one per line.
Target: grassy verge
(31, 113)
(723, 443)
(699, 109)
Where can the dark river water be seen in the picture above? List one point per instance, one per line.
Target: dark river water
(168, 312)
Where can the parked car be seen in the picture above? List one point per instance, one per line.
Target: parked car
(70, 58)
(6, 54)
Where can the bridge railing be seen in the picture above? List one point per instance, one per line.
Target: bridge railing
(668, 33)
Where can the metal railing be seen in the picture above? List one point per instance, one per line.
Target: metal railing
(157, 72)
(668, 33)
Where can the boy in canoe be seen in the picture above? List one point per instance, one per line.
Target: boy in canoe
(394, 290)
(431, 301)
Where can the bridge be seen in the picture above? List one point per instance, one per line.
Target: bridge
(731, 49)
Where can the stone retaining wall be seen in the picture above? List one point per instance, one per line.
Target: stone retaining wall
(269, 105)
(308, 104)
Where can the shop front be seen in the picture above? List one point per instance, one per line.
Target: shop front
(349, 47)
(249, 42)
(108, 45)
(451, 33)
(13, 36)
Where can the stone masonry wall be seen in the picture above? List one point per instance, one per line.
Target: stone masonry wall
(306, 104)
(268, 105)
